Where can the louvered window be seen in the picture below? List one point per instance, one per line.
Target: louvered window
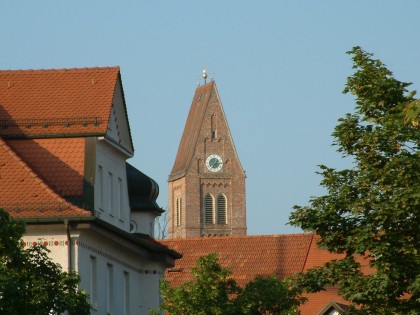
(221, 209)
(209, 209)
(178, 211)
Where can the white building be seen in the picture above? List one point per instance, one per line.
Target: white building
(64, 142)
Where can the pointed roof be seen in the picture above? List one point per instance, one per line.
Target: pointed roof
(56, 102)
(192, 129)
(25, 195)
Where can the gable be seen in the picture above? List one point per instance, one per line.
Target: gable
(118, 130)
(53, 103)
(205, 96)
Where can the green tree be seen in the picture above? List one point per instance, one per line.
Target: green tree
(269, 295)
(30, 283)
(371, 210)
(214, 291)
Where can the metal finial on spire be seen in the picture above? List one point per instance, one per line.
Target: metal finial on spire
(204, 74)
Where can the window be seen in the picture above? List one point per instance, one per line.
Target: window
(178, 211)
(213, 126)
(209, 209)
(101, 186)
(110, 288)
(110, 194)
(93, 281)
(126, 293)
(120, 208)
(221, 209)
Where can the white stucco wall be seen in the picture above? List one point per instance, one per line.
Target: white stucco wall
(145, 222)
(138, 296)
(54, 237)
(110, 162)
(143, 277)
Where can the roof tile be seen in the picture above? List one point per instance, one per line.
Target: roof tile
(59, 162)
(24, 195)
(246, 256)
(249, 256)
(36, 103)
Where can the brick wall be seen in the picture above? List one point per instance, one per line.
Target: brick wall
(214, 138)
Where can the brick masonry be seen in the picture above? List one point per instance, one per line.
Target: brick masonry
(197, 181)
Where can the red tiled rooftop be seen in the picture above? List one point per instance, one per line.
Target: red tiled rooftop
(317, 301)
(24, 194)
(55, 102)
(246, 256)
(317, 257)
(58, 161)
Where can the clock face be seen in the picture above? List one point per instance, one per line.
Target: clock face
(214, 163)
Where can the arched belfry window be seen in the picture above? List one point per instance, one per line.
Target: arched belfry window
(178, 211)
(221, 209)
(209, 209)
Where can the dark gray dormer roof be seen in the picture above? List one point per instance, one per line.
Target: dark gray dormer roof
(142, 191)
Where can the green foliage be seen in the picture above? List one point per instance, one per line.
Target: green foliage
(211, 292)
(371, 210)
(214, 291)
(269, 295)
(30, 283)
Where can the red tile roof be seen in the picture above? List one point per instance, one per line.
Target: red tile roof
(25, 195)
(192, 129)
(317, 301)
(35, 103)
(317, 257)
(58, 161)
(246, 256)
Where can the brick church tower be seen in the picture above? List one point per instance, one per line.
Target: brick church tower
(207, 183)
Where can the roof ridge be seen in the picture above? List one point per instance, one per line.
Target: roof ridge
(239, 237)
(99, 68)
(37, 178)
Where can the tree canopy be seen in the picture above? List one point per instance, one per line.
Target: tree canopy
(30, 283)
(214, 291)
(370, 212)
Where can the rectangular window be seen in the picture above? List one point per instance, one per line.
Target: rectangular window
(110, 194)
(93, 281)
(101, 186)
(110, 289)
(126, 293)
(120, 199)
(213, 126)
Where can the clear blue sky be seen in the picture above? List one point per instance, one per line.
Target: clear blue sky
(280, 67)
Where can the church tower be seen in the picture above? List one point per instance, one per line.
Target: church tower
(207, 183)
